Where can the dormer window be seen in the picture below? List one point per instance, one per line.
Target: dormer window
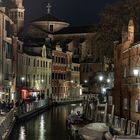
(51, 28)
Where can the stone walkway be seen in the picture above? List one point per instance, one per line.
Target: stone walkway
(2, 117)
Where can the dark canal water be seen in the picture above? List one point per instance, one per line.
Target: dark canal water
(50, 125)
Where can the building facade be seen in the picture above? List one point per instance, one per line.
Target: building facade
(34, 74)
(77, 47)
(78, 40)
(58, 73)
(6, 55)
(126, 95)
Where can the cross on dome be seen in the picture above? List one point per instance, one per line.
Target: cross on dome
(48, 8)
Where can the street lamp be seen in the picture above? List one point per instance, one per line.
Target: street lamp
(100, 87)
(101, 78)
(108, 80)
(86, 81)
(135, 72)
(72, 81)
(22, 79)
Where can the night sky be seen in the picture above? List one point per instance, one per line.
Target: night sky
(76, 12)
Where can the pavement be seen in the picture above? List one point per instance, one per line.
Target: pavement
(2, 117)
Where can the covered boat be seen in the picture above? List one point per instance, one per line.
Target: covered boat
(95, 131)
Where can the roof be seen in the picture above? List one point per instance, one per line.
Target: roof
(28, 41)
(77, 29)
(49, 17)
(33, 53)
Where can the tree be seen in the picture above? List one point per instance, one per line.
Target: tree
(113, 18)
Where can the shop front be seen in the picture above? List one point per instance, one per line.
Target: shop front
(29, 94)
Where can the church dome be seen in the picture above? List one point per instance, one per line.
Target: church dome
(48, 17)
(50, 23)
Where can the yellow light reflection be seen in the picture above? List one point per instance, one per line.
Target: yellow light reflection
(22, 135)
(42, 128)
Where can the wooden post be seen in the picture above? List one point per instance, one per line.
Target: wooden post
(105, 113)
(137, 127)
(129, 127)
(112, 114)
(125, 131)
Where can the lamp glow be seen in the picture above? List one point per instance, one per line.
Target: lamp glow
(101, 78)
(85, 81)
(108, 80)
(22, 78)
(72, 81)
(104, 90)
(135, 72)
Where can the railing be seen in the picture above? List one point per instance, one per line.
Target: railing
(121, 125)
(28, 107)
(124, 126)
(127, 138)
(6, 123)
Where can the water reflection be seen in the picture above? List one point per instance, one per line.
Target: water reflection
(22, 135)
(42, 128)
(72, 108)
(50, 125)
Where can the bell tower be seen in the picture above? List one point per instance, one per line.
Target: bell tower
(131, 29)
(17, 15)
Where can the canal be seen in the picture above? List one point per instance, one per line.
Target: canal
(50, 125)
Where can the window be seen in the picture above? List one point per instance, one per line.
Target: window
(33, 80)
(137, 105)
(62, 60)
(49, 65)
(56, 59)
(124, 74)
(41, 63)
(38, 63)
(59, 60)
(51, 28)
(21, 14)
(29, 61)
(125, 103)
(8, 50)
(52, 75)
(8, 28)
(49, 79)
(34, 62)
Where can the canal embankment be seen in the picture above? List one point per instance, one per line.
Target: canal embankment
(30, 109)
(7, 122)
(49, 125)
(66, 102)
(26, 111)
(22, 112)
